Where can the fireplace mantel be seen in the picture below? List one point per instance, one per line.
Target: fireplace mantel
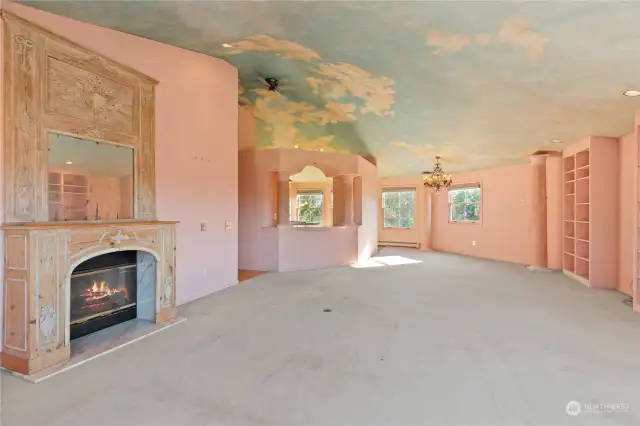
(39, 260)
(52, 85)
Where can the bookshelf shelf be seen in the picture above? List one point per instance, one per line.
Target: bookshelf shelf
(589, 238)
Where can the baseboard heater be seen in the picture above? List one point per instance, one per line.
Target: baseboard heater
(397, 244)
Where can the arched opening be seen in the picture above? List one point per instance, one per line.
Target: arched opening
(111, 288)
(311, 198)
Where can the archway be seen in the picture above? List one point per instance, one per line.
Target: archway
(310, 198)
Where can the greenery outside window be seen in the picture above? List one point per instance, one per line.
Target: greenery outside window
(398, 208)
(310, 205)
(464, 204)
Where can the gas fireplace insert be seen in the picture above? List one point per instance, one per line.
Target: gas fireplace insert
(103, 292)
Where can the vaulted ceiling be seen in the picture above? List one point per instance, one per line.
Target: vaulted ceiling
(479, 83)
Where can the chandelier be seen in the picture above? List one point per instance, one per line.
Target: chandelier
(437, 179)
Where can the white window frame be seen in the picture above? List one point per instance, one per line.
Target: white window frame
(403, 189)
(311, 192)
(465, 203)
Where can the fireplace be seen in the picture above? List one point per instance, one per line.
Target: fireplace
(103, 292)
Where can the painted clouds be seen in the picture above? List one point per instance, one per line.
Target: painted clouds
(515, 32)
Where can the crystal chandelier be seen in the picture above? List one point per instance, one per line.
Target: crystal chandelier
(437, 179)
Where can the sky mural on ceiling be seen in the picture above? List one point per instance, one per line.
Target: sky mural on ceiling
(479, 83)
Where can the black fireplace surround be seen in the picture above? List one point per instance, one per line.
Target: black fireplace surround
(103, 292)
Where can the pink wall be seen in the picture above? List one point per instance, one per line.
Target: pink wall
(504, 231)
(247, 129)
(301, 249)
(627, 169)
(417, 234)
(367, 191)
(265, 247)
(554, 182)
(196, 145)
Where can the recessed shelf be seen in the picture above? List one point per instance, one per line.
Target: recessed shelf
(569, 163)
(569, 262)
(582, 191)
(582, 213)
(582, 249)
(569, 211)
(582, 268)
(569, 245)
(569, 188)
(582, 159)
(582, 231)
(582, 173)
(569, 229)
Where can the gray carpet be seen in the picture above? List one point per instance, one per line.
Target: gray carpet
(447, 341)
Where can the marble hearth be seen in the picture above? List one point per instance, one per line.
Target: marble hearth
(39, 261)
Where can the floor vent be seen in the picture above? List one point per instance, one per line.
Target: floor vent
(628, 301)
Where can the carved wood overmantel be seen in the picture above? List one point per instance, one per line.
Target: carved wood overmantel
(54, 85)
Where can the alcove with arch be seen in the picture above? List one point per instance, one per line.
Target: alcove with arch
(299, 209)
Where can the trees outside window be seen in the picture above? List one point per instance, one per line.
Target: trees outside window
(464, 204)
(309, 207)
(398, 208)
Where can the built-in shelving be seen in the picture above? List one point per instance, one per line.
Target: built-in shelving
(576, 214)
(67, 196)
(589, 229)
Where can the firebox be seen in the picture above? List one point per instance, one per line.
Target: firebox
(103, 292)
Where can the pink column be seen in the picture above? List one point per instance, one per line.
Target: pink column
(283, 198)
(348, 201)
(343, 212)
(554, 211)
(538, 211)
(425, 243)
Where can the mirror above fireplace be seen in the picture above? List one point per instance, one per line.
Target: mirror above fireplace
(88, 180)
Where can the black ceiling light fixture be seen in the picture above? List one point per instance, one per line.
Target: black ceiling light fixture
(271, 83)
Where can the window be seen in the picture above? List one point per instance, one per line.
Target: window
(397, 208)
(464, 204)
(309, 207)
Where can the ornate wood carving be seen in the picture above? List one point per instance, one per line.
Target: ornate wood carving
(36, 326)
(146, 157)
(81, 94)
(46, 290)
(22, 156)
(54, 85)
(15, 328)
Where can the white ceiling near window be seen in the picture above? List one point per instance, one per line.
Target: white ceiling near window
(310, 174)
(480, 83)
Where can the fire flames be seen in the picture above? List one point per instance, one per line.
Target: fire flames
(101, 290)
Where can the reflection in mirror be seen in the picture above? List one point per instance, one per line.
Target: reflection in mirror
(311, 198)
(89, 180)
